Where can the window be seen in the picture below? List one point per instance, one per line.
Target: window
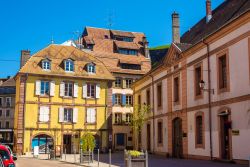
(68, 114)
(129, 83)
(46, 65)
(8, 101)
(198, 78)
(130, 66)
(118, 118)
(159, 95)
(118, 82)
(148, 97)
(176, 89)
(7, 113)
(118, 99)
(91, 115)
(45, 88)
(91, 68)
(126, 39)
(223, 77)
(69, 65)
(7, 124)
(44, 114)
(91, 90)
(1, 113)
(129, 100)
(127, 51)
(160, 135)
(128, 118)
(199, 129)
(68, 89)
(1, 101)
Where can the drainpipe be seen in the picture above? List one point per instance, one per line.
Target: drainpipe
(209, 99)
(153, 104)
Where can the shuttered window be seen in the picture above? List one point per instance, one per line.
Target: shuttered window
(91, 90)
(68, 89)
(129, 100)
(44, 114)
(68, 115)
(91, 115)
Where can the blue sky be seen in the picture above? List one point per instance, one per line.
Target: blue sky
(30, 24)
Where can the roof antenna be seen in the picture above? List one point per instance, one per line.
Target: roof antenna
(110, 20)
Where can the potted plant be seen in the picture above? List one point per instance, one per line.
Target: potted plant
(135, 158)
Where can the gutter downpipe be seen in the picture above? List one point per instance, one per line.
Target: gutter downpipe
(153, 104)
(209, 98)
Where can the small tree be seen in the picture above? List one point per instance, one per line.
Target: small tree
(88, 142)
(139, 117)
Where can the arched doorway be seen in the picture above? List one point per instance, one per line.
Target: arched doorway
(177, 138)
(44, 142)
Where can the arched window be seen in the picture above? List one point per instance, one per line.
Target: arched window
(199, 130)
(46, 65)
(69, 65)
(91, 68)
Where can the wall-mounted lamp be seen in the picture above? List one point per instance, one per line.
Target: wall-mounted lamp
(202, 86)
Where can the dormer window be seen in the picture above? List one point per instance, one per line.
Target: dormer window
(128, 51)
(46, 64)
(69, 65)
(91, 68)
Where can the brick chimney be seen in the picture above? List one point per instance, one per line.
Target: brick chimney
(25, 55)
(175, 28)
(208, 11)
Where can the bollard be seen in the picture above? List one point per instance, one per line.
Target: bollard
(98, 158)
(75, 155)
(65, 154)
(146, 157)
(80, 155)
(89, 156)
(109, 157)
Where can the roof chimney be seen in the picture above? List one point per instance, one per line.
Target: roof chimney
(25, 55)
(175, 28)
(208, 11)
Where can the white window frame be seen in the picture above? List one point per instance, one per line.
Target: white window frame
(68, 115)
(69, 65)
(66, 86)
(128, 82)
(128, 117)
(118, 118)
(129, 100)
(118, 99)
(91, 68)
(90, 91)
(46, 65)
(44, 87)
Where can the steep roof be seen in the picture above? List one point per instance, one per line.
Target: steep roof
(105, 45)
(57, 54)
(9, 83)
(224, 13)
(157, 55)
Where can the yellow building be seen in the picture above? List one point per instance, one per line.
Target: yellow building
(61, 93)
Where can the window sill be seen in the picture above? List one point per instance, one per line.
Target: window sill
(43, 122)
(176, 103)
(202, 146)
(90, 123)
(223, 90)
(67, 123)
(198, 97)
(67, 97)
(44, 96)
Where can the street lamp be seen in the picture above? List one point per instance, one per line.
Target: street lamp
(202, 86)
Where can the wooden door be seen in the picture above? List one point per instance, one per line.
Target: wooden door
(225, 138)
(177, 138)
(67, 144)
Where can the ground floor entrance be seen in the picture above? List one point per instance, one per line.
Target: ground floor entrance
(44, 142)
(177, 138)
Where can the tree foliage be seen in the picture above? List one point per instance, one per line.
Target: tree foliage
(88, 142)
(139, 116)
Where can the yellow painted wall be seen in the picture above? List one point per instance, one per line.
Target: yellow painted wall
(32, 109)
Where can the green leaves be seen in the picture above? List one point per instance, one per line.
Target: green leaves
(88, 142)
